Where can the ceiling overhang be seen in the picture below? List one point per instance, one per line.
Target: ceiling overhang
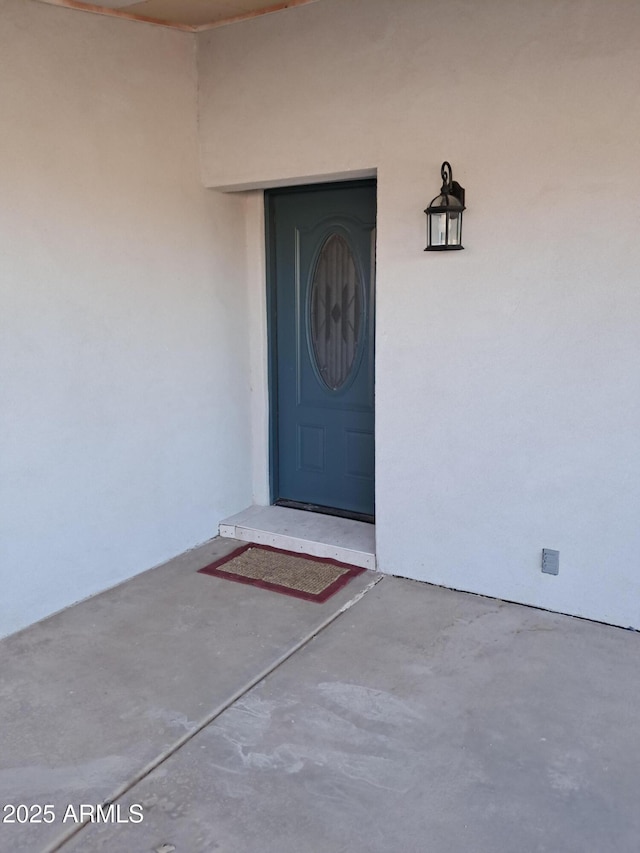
(188, 15)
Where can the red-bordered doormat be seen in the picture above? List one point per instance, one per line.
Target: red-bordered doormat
(300, 575)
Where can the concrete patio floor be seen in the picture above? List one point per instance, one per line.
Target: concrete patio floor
(397, 716)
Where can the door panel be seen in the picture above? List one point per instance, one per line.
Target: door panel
(322, 317)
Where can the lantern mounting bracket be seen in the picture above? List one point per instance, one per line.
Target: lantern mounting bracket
(449, 186)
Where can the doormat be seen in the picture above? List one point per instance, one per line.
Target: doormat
(300, 575)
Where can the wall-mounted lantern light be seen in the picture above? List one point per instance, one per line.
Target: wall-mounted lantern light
(444, 214)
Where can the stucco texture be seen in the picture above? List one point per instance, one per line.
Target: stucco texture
(124, 385)
(507, 381)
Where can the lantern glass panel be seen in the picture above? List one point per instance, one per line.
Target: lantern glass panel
(455, 221)
(438, 233)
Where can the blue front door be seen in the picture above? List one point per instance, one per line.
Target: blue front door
(322, 255)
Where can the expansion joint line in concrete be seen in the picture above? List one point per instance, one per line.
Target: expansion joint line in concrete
(171, 750)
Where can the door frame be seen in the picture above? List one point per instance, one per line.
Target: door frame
(272, 342)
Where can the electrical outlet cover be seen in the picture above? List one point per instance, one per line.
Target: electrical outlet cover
(550, 561)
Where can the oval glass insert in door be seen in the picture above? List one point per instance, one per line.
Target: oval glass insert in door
(336, 304)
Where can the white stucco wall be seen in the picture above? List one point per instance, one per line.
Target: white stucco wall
(124, 369)
(508, 375)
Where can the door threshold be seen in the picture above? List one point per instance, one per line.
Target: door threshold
(327, 510)
(299, 531)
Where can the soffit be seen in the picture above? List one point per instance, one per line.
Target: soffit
(191, 15)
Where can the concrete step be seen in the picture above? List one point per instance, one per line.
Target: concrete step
(305, 532)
